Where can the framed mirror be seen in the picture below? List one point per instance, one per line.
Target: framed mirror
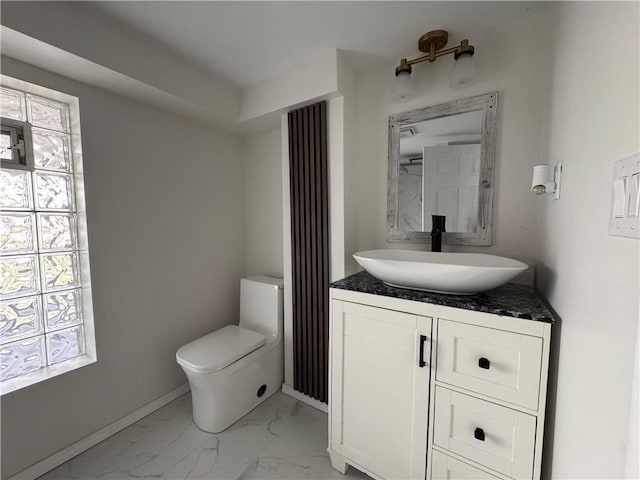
(441, 162)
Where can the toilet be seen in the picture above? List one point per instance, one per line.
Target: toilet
(234, 369)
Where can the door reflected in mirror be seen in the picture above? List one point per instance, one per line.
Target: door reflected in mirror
(439, 172)
(441, 163)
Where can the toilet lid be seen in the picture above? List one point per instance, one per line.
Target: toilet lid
(219, 349)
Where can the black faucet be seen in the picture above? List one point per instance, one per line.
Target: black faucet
(437, 229)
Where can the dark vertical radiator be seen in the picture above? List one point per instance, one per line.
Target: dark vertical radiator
(310, 248)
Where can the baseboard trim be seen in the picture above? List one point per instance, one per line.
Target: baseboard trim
(312, 402)
(75, 449)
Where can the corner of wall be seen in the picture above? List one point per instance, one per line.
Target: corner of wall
(313, 79)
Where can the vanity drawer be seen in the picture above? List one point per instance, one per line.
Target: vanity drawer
(492, 435)
(444, 467)
(492, 362)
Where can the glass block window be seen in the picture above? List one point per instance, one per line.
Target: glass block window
(42, 295)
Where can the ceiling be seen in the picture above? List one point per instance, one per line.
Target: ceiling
(246, 42)
(440, 131)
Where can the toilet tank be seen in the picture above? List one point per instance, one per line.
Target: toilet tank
(261, 305)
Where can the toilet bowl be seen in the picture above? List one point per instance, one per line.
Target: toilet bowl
(234, 369)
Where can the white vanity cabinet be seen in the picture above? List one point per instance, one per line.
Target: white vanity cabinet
(423, 390)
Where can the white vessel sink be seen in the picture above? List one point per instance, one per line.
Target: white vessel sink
(441, 272)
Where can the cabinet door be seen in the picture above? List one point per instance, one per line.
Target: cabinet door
(380, 388)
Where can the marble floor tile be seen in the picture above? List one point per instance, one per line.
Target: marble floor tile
(281, 439)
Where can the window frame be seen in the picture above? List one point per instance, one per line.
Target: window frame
(75, 151)
(18, 130)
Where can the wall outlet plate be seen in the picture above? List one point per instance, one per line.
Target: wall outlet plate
(624, 217)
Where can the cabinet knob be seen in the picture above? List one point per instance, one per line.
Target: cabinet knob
(478, 434)
(484, 363)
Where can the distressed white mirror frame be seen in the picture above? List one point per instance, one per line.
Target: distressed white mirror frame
(488, 103)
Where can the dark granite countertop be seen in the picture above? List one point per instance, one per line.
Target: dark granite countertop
(509, 300)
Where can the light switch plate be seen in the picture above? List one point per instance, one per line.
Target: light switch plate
(625, 198)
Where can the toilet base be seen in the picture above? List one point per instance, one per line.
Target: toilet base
(221, 398)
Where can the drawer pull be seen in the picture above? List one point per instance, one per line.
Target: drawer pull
(484, 363)
(478, 434)
(421, 362)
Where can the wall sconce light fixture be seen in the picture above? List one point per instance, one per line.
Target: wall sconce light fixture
(433, 43)
(546, 180)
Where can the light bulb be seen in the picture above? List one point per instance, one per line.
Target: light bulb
(403, 88)
(463, 74)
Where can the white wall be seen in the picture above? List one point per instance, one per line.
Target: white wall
(164, 210)
(632, 463)
(589, 277)
(336, 193)
(347, 81)
(262, 183)
(510, 60)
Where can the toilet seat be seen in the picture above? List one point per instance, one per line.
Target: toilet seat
(219, 349)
